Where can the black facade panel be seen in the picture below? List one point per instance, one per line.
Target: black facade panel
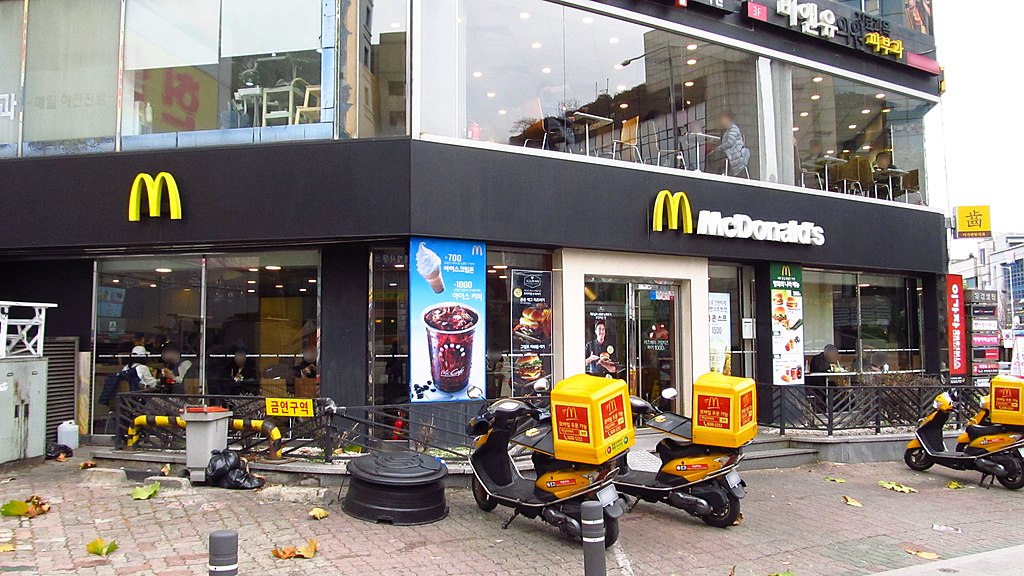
(344, 314)
(506, 197)
(255, 194)
(67, 283)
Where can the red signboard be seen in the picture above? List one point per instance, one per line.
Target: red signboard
(572, 424)
(747, 408)
(955, 325)
(757, 11)
(983, 368)
(613, 417)
(713, 411)
(985, 340)
(1007, 399)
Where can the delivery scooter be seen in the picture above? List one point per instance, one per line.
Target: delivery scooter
(561, 487)
(992, 449)
(701, 480)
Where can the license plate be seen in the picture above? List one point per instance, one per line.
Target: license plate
(733, 478)
(607, 495)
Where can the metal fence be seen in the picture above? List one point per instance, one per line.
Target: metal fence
(833, 408)
(436, 428)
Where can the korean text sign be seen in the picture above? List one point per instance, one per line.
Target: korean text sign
(787, 310)
(955, 325)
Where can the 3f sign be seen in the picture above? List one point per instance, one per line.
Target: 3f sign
(154, 187)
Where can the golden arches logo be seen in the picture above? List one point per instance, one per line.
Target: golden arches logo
(154, 187)
(786, 270)
(678, 206)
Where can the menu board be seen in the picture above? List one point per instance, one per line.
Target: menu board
(447, 340)
(787, 309)
(720, 332)
(531, 329)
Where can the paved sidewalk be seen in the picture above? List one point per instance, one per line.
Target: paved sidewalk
(794, 521)
(1005, 562)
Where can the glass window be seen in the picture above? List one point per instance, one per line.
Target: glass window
(389, 327)
(376, 74)
(71, 76)
(855, 138)
(10, 75)
(262, 330)
(737, 283)
(831, 315)
(541, 75)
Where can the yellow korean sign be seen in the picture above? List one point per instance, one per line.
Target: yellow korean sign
(290, 407)
(973, 222)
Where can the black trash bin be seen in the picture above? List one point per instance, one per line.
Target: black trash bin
(401, 488)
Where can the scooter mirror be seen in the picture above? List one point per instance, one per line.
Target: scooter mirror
(540, 385)
(669, 393)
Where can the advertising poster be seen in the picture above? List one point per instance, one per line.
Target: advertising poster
(531, 329)
(955, 325)
(109, 301)
(720, 333)
(787, 309)
(447, 340)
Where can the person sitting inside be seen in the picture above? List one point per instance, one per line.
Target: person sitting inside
(240, 377)
(134, 374)
(174, 369)
(883, 162)
(306, 368)
(811, 168)
(730, 156)
(821, 364)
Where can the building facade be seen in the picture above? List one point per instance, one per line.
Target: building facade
(997, 264)
(709, 184)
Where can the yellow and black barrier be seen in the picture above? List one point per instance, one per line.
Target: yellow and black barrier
(271, 430)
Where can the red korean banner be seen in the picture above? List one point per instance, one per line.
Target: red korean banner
(955, 325)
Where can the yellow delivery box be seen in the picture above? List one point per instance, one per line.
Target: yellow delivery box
(591, 418)
(1004, 401)
(724, 410)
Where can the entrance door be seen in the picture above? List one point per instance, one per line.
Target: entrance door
(632, 333)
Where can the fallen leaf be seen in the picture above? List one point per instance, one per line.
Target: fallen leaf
(14, 508)
(6, 547)
(954, 485)
(284, 553)
(836, 480)
(145, 492)
(100, 547)
(307, 551)
(30, 508)
(6, 480)
(166, 470)
(739, 519)
(896, 487)
(922, 554)
(786, 573)
(941, 528)
(61, 457)
(318, 513)
(87, 464)
(851, 502)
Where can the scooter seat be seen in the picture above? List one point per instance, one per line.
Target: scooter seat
(978, 430)
(669, 449)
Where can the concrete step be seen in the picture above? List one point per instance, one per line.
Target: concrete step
(767, 442)
(778, 458)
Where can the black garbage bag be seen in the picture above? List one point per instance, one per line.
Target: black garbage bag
(53, 450)
(240, 480)
(221, 463)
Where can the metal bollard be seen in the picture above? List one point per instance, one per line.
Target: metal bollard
(223, 553)
(593, 539)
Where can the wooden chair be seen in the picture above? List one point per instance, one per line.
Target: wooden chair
(309, 109)
(307, 387)
(280, 101)
(629, 137)
(847, 177)
(274, 388)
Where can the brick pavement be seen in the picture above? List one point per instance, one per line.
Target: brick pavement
(793, 521)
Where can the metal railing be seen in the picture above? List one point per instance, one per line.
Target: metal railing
(834, 408)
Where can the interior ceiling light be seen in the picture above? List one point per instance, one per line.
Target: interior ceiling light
(691, 46)
(536, 45)
(691, 61)
(477, 74)
(816, 97)
(805, 114)
(163, 270)
(688, 83)
(817, 79)
(273, 268)
(866, 111)
(613, 40)
(879, 95)
(524, 15)
(546, 70)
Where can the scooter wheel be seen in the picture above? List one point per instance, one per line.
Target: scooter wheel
(725, 516)
(1015, 481)
(483, 499)
(917, 459)
(611, 531)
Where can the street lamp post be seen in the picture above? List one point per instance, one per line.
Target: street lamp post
(1008, 274)
(671, 94)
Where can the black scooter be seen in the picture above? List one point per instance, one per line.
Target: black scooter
(561, 487)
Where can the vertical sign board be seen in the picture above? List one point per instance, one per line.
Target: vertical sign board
(531, 329)
(719, 320)
(447, 341)
(787, 312)
(973, 222)
(955, 325)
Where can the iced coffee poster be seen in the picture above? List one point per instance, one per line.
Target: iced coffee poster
(787, 310)
(447, 343)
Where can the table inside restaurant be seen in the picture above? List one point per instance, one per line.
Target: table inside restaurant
(822, 162)
(588, 121)
(701, 139)
(889, 174)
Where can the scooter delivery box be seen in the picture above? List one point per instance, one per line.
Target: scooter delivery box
(591, 418)
(724, 410)
(1004, 401)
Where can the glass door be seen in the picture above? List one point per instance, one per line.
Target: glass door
(652, 325)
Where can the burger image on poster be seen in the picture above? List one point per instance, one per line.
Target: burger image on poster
(428, 264)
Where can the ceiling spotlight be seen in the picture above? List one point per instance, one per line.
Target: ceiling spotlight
(796, 128)
(613, 40)
(502, 112)
(524, 15)
(251, 291)
(830, 151)
(805, 114)
(163, 270)
(477, 74)
(688, 83)
(852, 126)
(503, 277)
(272, 267)
(250, 281)
(152, 285)
(816, 97)
(623, 105)
(879, 95)
(278, 285)
(691, 61)
(311, 280)
(817, 79)
(866, 111)
(490, 94)
(620, 88)
(492, 271)
(846, 150)
(535, 45)
(886, 110)
(116, 281)
(588, 20)
(545, 70)
(867, 146)
(302, 290)
(254, 269)
(691, 46)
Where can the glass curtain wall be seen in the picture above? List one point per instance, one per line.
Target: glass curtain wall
(541, 75)
(874, 320)
(737, 282)
(251, 328)
(11, 12)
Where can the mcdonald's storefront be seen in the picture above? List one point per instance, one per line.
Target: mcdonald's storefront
(259, 262)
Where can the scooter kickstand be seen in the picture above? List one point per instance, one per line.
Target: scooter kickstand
(508, 522)
(991, 480)
(636, 502)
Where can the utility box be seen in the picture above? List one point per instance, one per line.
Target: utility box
(22, 408)
(724, 410)
(591, 418)
(1004, 401)
(206, 430)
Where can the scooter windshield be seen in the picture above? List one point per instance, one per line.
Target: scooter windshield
(673, 424)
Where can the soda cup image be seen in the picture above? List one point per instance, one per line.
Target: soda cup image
(450, 330)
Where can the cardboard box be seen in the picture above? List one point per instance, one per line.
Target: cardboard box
(724, 410)
(591, 418)
(1004, 401)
